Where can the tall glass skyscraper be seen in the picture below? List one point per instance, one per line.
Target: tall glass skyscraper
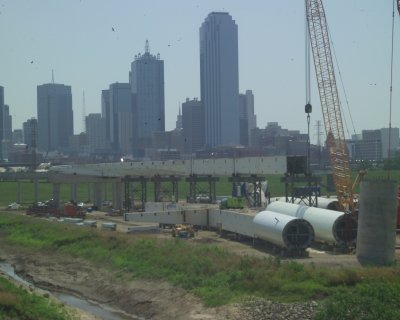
(55, 116)
(219, 79)
(147, 85)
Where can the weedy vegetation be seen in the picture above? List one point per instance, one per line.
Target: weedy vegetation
(214, 274)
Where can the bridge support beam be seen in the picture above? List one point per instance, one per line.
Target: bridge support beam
(56, 194)
(117, 195)
(97, 186)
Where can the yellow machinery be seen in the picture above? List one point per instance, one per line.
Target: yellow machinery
(330, 103)
(183, 231)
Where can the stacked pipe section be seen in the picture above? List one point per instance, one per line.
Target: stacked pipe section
(291, 233)
(330, 226)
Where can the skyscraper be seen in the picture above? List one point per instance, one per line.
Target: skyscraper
(121, 117)
(105, 111)
(30, 128)
(95, 131)
(219, 79)
(147, 85)
(7, 123)
(193, 125)
(55, 116)
(248, 120)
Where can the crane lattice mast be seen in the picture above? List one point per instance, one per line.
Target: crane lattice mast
(330, 103)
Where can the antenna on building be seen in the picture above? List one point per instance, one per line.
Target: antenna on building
(52, 76)
(84, 111)
(147, 47)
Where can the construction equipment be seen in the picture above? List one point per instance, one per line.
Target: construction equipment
(49, 209)
(330, 103)
(183, 231)
(232, 203)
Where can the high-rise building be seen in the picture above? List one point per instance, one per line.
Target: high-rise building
(30, 128)
(147, 85)
(394, 141)
(219, 79)
(17, 136)
(248, 120)
(193, 125)
(7, 123)
(55, 116)
(178, 123)
(121, 117)
(105, 111)
(95, 131)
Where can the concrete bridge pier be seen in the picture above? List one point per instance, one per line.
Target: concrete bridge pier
(117, 195)
(74, 192)
(56, 194)
(18, 191)
(35, 190)
(97, 194)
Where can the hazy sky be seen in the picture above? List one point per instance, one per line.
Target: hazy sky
(76, 39)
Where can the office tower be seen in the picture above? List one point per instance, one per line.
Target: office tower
(17, 136)
(219, 79)
(248, 120)
(105, 111)
(95, 131)
(30, 128)
(7, 123)
(394, 141)
(147, 85)
(178, 123)
(193, 125)
(55, 116)
(121, 117)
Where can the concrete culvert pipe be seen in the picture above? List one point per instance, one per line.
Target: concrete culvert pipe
(329, 226)
(282, 230)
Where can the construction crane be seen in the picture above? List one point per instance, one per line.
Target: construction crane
(330, 103)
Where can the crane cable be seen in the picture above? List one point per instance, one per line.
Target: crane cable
(343, 87)
(391, 87)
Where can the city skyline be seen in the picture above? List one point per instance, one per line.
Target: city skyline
(90, 56)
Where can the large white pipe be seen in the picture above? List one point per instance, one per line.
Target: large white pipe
(328, 203)
(323, 203)
(285, 231)
(329, 226)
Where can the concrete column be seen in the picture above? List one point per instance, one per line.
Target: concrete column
(89, 192)
(105, 191)
(376, 237)
(56, 194)
(18, 191)
(97, 193)
(74, 192)
(35, 190)
(117, 195)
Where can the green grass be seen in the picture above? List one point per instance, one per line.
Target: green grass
(19, 304)
(366, 301)
(215, 275)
